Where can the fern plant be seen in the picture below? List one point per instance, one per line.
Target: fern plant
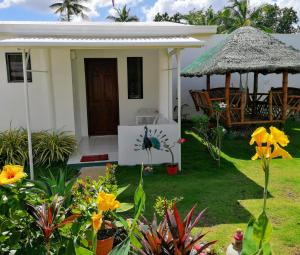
(13, 147)
(52, 147)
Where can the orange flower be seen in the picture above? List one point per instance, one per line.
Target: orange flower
(11, 174)
(96, 221)
(262, 152)
(260, 136)
(278, 136)
(272, 142)
(106, 201)
(279, 152)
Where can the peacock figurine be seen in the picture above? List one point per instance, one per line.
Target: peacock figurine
(150, 140)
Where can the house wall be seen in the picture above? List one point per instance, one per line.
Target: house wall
(153, 77)
(12, 101)
(265, 81)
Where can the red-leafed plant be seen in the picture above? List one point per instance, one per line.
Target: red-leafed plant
(155, 238)
(47, 216)
(172, 236)
(183, 241)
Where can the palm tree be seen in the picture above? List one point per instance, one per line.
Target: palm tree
(67, 9)
(239, 14)
(123, 15)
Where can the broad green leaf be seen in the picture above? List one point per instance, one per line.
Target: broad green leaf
(83, 251)
(121, 249)
(267, 249)
(249, 244)
(139, 199)
(262, 229)
(124, 207)
(122, 189)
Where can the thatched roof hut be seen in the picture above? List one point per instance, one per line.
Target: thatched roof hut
(247, 49)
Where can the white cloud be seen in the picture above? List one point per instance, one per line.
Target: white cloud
(8, 3)
(182, 6)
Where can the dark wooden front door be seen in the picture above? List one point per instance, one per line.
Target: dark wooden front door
(102, 96)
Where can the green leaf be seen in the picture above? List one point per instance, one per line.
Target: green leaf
(262, 229)
(267, 249)
(121, 249)
(139, 199)
(122, 189)
(83, 251)
(124, 207)
(249, 244)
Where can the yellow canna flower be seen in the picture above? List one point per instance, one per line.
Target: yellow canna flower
(262, 152)
(279, 152)
(278, 136)
(260, 136)
(106, 202)
(11, 174)
(96, 221)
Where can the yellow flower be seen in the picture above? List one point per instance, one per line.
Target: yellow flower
(260, 136)
(279, 152)
(11, 174)
(272, 142)
(96, 221)
(106, 201)
(262, 152)
(278, 136)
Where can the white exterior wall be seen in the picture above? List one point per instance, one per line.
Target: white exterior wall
(265, 81)
(152, 80)
(12, 102)
(127, 139)
(163, 82)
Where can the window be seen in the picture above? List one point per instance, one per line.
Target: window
(135, 77)
(14, 66)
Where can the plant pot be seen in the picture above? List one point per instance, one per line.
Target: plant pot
(105, 246)
(172, 169)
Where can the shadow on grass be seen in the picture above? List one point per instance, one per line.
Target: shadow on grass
(201, 182)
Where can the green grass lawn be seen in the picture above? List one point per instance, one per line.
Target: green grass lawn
(231, 193)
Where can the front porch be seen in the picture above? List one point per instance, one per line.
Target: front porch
(96, 145)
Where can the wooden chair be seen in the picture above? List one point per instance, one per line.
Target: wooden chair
(204, 100)
(276, 102)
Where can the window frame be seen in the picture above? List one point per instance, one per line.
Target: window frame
(8, 68)
(141, 96)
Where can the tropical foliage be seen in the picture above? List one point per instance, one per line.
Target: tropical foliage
(238, 13)
(49, 148)
(268, 146)
(52, 147)
(123, 15)
(69, 9)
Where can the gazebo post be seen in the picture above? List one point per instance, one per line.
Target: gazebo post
(255, 89)
(285, 77)
(208, 82)
(227, 98)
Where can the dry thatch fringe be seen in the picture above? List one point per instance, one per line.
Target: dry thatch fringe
(247, 49)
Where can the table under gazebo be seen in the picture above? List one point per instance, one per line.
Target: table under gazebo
(247, 50)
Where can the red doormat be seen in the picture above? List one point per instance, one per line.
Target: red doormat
(92, 158)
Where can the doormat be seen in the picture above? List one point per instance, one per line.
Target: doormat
(93, 158)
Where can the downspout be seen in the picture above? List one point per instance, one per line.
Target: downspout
(52, 114)
(178, 58)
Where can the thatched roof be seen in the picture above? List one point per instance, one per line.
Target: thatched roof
(247, 49)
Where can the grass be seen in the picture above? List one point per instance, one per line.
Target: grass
(232, 192)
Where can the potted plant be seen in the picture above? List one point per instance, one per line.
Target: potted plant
(172, 168)
(104, 232)
(96, 202)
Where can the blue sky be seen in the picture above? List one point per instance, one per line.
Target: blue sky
(144, 9)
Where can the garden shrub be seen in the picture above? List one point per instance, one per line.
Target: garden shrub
(49, 148)
(52, 147)
(13, 147)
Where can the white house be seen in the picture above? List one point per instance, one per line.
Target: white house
(102, 81)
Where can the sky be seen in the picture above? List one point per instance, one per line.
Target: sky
(38, 10)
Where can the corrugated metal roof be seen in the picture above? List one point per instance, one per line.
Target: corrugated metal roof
(102, 29)
(102, 42)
